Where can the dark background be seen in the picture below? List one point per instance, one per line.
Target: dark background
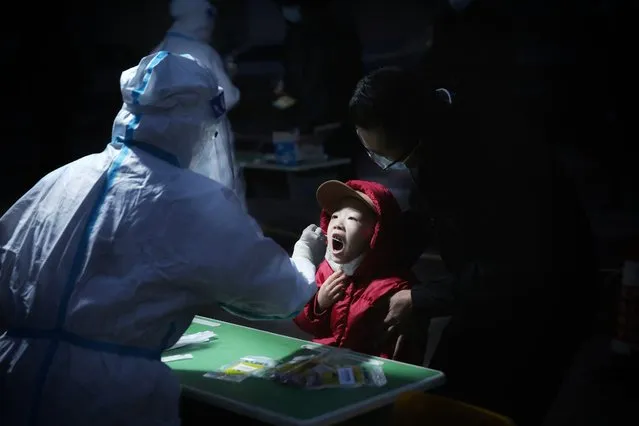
(571, 63)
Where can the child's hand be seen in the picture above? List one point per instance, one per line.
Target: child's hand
(331, 291)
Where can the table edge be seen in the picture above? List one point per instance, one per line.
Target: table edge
(333, 417)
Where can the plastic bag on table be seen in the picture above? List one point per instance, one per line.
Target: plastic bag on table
(346, 376)
(248, 366)
(320, 368)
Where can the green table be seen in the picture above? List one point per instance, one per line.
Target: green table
(275, 403)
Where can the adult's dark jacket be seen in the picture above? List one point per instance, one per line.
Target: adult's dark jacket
(518, 248)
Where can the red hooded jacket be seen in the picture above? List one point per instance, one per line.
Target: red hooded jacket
(356, 321)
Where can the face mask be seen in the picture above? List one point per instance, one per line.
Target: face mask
(386, 163)
(348, 268)
(292, 14)
(383, 162)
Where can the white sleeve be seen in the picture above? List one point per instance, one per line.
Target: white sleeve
(249, 274)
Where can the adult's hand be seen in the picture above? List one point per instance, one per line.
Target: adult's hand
(311, 245)
(396, 321)
(400, 307)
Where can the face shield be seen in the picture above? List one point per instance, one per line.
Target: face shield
(173, 104)
(211, 156)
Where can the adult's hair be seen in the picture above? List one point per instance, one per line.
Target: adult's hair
(401, 104)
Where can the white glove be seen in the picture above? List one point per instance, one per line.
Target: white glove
(311, 245)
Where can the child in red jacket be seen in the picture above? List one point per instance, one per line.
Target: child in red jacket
(361, 222)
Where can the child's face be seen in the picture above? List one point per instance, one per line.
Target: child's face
(350, 230)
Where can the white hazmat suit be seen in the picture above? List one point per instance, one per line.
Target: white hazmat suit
(106, 260)
(194, 21)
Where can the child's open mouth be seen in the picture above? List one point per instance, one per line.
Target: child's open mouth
(337, 244)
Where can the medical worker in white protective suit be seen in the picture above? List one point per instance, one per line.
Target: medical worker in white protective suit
(194, 21)
(105, 262)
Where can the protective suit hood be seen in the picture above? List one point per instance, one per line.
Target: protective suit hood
(172, 103)
(193, 18)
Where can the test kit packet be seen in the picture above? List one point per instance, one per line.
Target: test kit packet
(247, 366)
(320, 368)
